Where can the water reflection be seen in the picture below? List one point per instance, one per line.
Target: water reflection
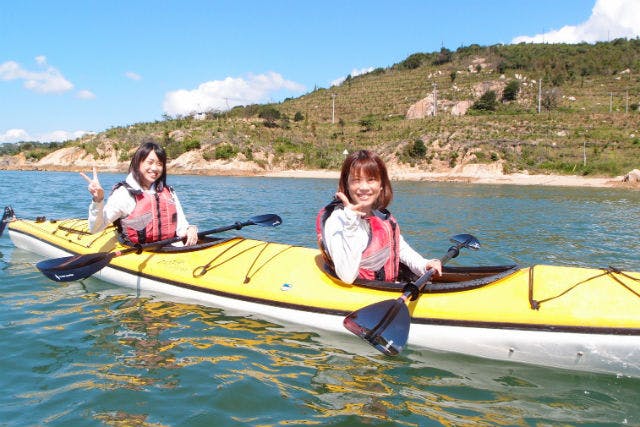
(242, 365)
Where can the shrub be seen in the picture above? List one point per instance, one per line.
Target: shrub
(511, 91)
(367, 123)
(453, 159)
(412, 62)
(487, 102)
(443, 57)
(270, 114)
(285, 145)
(192, 144)
(417, 150)
(550, 98)
(225, 151)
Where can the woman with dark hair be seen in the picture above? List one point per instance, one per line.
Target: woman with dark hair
(143, 207)
(358, 236)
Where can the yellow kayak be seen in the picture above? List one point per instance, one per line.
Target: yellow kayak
(568, 317)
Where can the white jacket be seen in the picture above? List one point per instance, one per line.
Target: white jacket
(120, 204)
(346, 236)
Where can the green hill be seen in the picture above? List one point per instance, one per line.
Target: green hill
(539, 107)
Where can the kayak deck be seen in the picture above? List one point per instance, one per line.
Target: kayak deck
(577, 318)
(275, 273)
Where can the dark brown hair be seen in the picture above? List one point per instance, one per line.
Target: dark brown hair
(141, 154)
(365, 162)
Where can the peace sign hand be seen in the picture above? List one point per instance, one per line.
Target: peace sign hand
(357, 208)
(94, 186)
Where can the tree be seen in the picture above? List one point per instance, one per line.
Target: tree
(270, 115)
(413, 61)
(511, 91)
(487, 102)
(443, 57)
(417, 150)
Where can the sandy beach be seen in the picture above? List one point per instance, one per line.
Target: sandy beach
(475, 178)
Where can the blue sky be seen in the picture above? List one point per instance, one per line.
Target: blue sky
(71, 67)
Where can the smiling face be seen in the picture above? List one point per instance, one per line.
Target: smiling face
(364, 179)
(150, 170)
(364, 189)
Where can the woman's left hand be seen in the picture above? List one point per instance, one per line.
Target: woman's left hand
(436, 265)
(192, 235)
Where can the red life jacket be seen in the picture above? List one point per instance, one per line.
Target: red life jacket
(384, 243)
(154, 218)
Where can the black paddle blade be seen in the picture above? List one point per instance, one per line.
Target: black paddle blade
(267, 220)
(7, 216)
(77, 267)
(384, 325)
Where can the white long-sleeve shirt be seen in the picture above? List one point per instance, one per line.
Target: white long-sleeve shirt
(346, 236)
(120, 204)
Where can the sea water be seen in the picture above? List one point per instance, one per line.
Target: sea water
(90, 353)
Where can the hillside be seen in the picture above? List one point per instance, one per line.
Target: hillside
(485, 111)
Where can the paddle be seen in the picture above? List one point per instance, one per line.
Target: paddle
(7, 216)
(78, 267)
(385, 324)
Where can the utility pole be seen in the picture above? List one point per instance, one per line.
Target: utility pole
(584, 153)
(626, 108)
(539, 94)
(435, 99)
(333, 108)
(610, 102)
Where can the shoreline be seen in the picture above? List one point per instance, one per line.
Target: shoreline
(395, 174)
(492, 179)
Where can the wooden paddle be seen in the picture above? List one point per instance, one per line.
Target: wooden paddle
(78, 267)
(385, 324)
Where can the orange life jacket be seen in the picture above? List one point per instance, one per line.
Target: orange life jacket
(384, 243)
(154, 218)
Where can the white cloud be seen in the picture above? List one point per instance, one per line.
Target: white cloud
(220, 95)
(133, 76)
(15, 135)
(18, 135)
(46, 80)
(355, 72)
(85, 94)
(609, 19)
(61, 135)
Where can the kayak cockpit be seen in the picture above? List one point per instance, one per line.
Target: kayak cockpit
(452, 279)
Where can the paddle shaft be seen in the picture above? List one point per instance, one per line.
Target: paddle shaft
(79, 267)
(418, 286)
(412, 290)
(160, 243)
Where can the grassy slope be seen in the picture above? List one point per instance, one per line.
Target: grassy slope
(591, 80)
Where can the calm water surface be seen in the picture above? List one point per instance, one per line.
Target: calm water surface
(89, 353)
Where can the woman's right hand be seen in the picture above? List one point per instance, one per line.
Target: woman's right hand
(357, 208)
(94, 186)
